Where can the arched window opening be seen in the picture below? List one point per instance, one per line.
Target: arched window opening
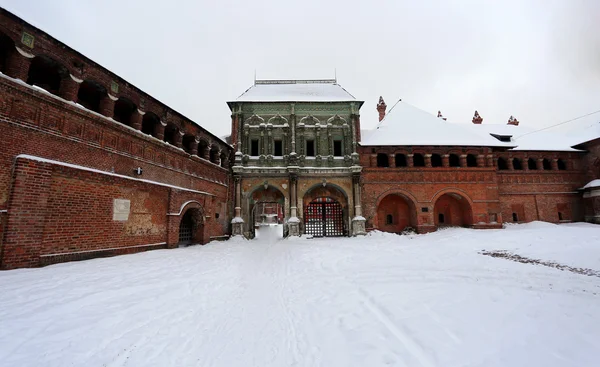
(561, 165)
(471, 160)
(454, 160)
(224, 160)
(418, 160)
(532, 164)
(214, 155)
(389, 219)
(546, 164)
(170, 131)
(149, 123)
(502, 165)
(187, 142)
(7, 48)
(515, 217)
(400, 160)
(124, 110)
(203, 149)
(46, 73)
(517, 164)
(436, 160)
(382, 160)
(90, 94)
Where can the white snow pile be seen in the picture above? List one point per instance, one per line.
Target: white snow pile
(377, 300)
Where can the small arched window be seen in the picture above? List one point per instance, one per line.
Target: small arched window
(561, 165)
(436, 160)
(546, 164)
(471, 160)
(502, 165)
(454, 160)
(389, 219)
(532, 164)
(170, 131)
(187, 143)
(150, 122)
(517, 164)
(382, 160)
(400, 160)
(418, 160)
(46, 73)
(124, 110)
(90, 94)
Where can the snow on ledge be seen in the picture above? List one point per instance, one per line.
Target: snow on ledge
(294, 220)
(592, 184)
(358, 217)
(82, 168)
(237, 220)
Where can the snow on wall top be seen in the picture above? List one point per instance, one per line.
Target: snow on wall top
(323, 90)
(405, 124)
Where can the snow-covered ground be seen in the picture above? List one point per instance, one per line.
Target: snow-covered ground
(380, 300)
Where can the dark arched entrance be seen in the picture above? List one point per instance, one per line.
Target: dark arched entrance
(395, 213)
(191, 228)
(452, 210)
(324, 217)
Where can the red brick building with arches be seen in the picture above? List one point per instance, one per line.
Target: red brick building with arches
(92, 166)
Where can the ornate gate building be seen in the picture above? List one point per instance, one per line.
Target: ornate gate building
(298, 138)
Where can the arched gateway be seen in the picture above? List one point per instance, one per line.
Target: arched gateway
(324, 217)
(325, 211)
(191, 228)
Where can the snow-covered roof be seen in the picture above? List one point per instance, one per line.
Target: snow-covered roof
(579, 130)
(405, 124)
(593, 183)
(322, 90)
(524, 138)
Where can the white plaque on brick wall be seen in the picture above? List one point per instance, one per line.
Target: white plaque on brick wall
(121, 209)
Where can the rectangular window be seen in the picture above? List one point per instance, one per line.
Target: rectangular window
(337, 148)
(278, 148)
(310, 148)
(254, 147)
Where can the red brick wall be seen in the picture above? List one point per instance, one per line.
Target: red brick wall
(55, 209)
(490, 196)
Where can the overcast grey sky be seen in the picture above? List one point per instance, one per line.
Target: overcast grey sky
(536, 60)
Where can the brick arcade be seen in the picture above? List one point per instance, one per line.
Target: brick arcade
(92, 166)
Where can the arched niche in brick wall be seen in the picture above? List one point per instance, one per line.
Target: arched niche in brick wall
(150, 122)
(452, 208)
(7, 50)
(124, 111)
(90, 95)
(396, 211)
(46, 73)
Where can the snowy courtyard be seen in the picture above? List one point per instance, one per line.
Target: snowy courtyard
(379, 300)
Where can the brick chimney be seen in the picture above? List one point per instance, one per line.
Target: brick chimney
(381, 106)
(441, 116)
(477, 119)
(513, 121)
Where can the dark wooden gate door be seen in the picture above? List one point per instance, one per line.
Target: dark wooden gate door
(324, 217)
